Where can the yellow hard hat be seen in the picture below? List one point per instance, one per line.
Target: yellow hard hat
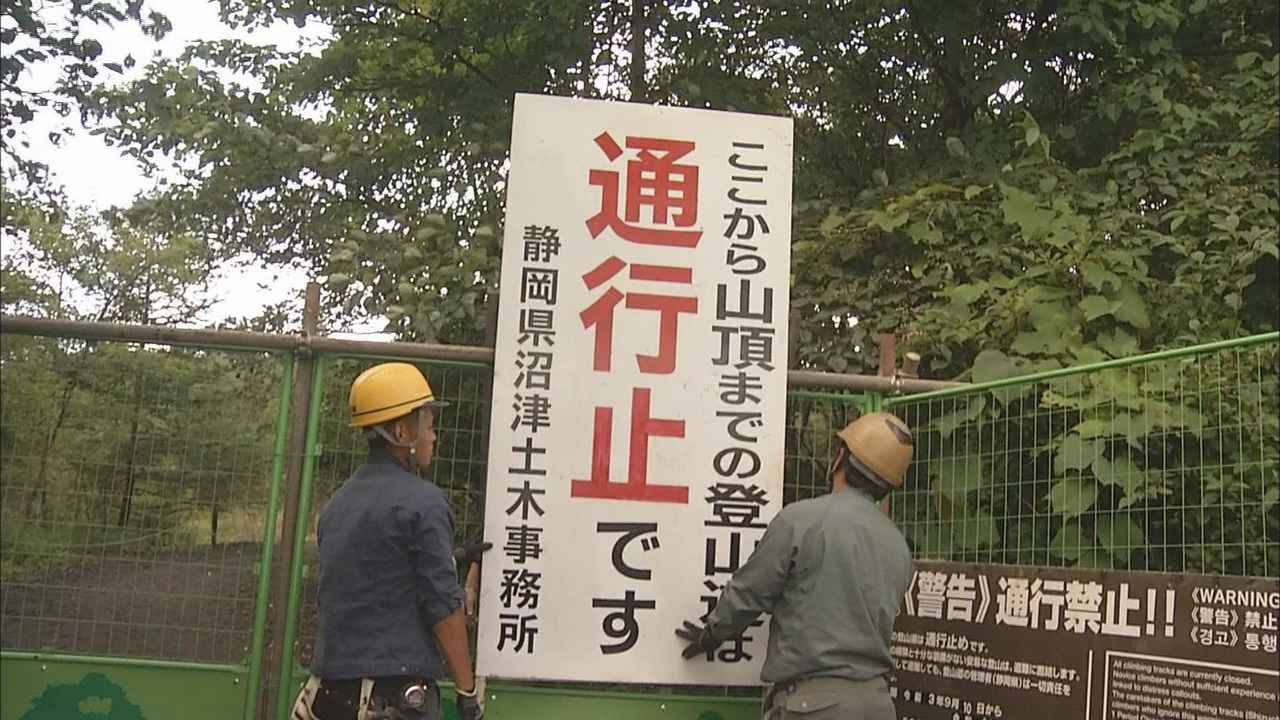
(879, 445)
(388, 391)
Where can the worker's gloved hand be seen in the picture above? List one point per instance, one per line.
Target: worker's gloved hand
(469, 707)
(468, 559)
(470, 553)
(699, 638)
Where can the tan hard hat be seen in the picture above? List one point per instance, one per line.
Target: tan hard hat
(388, 391)
(880, 445)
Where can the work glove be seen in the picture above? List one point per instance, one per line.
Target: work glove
(699, 638)
(468, 559)
(469, 707)
(468, 554)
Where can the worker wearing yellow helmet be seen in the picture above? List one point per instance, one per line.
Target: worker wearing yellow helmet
(832, 571)
(391, 611)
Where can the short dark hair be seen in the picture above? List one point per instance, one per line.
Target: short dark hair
(855, 478)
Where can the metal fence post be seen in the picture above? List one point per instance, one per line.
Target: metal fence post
(299, 412)
(254, 692)
(293, 604)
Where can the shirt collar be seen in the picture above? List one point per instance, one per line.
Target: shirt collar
(381, 455)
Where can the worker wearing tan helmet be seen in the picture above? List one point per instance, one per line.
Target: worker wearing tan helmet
(832, 571)
(391, 610)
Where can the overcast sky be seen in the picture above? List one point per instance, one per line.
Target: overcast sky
(99, 177)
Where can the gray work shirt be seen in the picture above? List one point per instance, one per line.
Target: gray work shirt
(832, 571)
(387, 574)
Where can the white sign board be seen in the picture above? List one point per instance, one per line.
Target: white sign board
(639, 401)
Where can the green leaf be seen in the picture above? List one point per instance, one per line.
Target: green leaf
(1271, 497)
(1198, 6)
(1073, 496)
(947, 424)
(1048, 184)
(1069, 543)
(1076, 453)
(1122, 472)
(1096, 558)
(1033, 134)
(1118, 343)
(1091, 428)
(1244, 60)
(1134, 427)
(1096, 306)
(339, 281)
(1227, 223)
(886, 221)
(1120, 534)
(956, 477)
(973, 191)
(932, 541)
(956, 147)
(1019, 208)
(881, 177)
(968, 293)
(993, 365)
(831, 222)
(975, 531)
(1038, 341)
(1088, 355)
(1133, 308)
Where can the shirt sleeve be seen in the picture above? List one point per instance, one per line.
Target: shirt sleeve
(756, 586)
(429, 532)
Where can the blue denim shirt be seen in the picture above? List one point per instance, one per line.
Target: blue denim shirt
(387, 574)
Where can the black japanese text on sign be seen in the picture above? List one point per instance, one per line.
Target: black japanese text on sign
(640, 440)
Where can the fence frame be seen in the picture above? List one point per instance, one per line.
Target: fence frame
(307, 358)
(270, 669)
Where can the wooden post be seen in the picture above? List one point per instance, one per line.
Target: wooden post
(793, 338)
(888, 354)
(888, 367)
(275, 677)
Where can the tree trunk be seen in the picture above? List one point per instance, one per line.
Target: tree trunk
(126, 502)
(639, 92)
(42, 480)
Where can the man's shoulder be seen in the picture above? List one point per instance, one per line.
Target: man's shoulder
(804, 510)
(397, 486)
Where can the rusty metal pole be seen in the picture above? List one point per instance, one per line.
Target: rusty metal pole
(276, 676)
(888, 368)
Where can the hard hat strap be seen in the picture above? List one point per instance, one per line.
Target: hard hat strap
(385, 434)
(854, 470)
(837, 461)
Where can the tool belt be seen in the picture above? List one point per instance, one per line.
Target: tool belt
(400, 697)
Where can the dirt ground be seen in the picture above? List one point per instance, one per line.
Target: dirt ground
(193, 605)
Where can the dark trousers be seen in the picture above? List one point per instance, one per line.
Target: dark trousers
(830, 699)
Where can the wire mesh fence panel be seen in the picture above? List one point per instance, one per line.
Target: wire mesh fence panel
(133, 497)
(1167, 463)
(813, 418)
(458, 467)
